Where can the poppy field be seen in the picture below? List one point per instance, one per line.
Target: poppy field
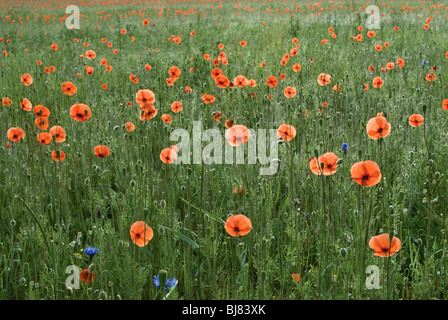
(99, 199)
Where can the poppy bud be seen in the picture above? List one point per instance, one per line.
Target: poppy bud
(162, 278)
(69, 291)
(316, 153)
(91, 267)
(339, 161)
(132, 183)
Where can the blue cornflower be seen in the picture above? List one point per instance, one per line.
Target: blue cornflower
(424, 63)
(344, 146)
(168, 284)
(91, 251)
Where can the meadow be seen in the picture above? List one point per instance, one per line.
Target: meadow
(88, 172)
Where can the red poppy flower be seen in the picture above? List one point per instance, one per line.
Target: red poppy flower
(238, 225)
(101, 151)
(141, 233)
(16, 134)
(26, 79)
(286, 132)
(382, 245)
(416, 120)
(378, 127)
(168, 155)
(366, 173)
(80, 112)
(237, 135)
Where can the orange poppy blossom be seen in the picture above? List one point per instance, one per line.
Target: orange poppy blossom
(252, 83)
(377, 82)
(290, 92)
(102, 151)
(296, 67)
(170, 81)
(26, 105)
(323, 79)
(44, 138)
(58, 133)
(238, 190)
(272, 81)
(80, 112)
(26, 79)
(89, 70)
(431, 76)
(240, 81)
(174, 72)
(176, 106)
(296, 277)
(382, 245)
(378, 127)
(41, 123)
(217, 115)
(216, 72)
(130, 126)
(237, 135)
(390, 65)
(87, 276)
(58, 155)
(445, 104)
(229, 123)
(222, 81)
(168, 155)
(238, 225)
(416, 120)
(286, 132)
(366, 173)
(326, 164)
(145, 96)
(69, 88)
(208, 98)
(6, 102)
(400, 62)
(167, 118)
(41, 111)
(90, 54)
(147, 112)
(15, 134)
(141, 233)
